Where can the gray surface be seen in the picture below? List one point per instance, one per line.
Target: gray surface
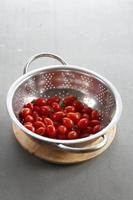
(97, 34)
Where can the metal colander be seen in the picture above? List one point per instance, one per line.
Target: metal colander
(63, 80)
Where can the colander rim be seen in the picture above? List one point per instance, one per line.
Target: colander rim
(24, 77)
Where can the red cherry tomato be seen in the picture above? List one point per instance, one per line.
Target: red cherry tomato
(48, 121)
(78, 105)
(88, 130)
(56, 124)
(72, 135)
(53, 99)
(69, 109)
(29, 127)
(68, 122)
(28, 118)
(40, 102)
(37, 109)
(41, 131)
(28, 123)
(35, 115)
(62, 129)
(38, 124)
(61, 136)
(74, 116)
(25, 112)
(69, 100)
(83, 123)
(83, 135)
(87, 110)
(51, 131)
(96, 129)
(56, 106)
(76, 128)
(39, 119)
(94, 122)
(94, 115)
(58, 116)
(30, 106)
(85, 115)
(45, 110)
(61, 119)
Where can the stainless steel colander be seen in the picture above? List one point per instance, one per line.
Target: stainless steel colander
(62, 80)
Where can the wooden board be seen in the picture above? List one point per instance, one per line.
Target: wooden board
(50, 153)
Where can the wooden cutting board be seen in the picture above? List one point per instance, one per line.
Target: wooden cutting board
(50, 153)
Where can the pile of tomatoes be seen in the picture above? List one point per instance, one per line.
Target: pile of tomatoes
(58, 118)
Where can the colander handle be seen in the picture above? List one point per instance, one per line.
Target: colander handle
(84, 149)
(40, 55)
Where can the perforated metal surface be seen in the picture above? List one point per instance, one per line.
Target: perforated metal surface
(89, 89)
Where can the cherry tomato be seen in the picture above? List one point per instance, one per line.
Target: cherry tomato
(51, 131)
(29, 127)
(87, 110)
(74, 116)
(69, 109)
(69, 100)
(78, 105)
(25, 112)
(97, 128)
(61, 119)
(62, 129)
(88, 130)
(45, 110)
(28, 123)
(61, 136)
(48, 121)
(53, 99)
(30, 106)
(38, 124)
(39, 119)
(56, 106)
(35, 115)
(94, 115)
(37, 109)
(28, 118)
(40, 102)
(83, 135)
(85, 115)
(72, 135)
(56, 124)
(94, 122)
(58, 116)
(41, 130)
(83, 123)
(76, 128)
(68, 122)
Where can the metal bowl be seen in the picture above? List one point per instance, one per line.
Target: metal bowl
(62, 80)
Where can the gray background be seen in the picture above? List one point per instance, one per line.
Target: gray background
(97, 34)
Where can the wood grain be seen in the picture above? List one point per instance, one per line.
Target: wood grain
(52, 154)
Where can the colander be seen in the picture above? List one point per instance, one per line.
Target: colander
(62, 80)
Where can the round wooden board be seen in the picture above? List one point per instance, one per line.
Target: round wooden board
(50, 153)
